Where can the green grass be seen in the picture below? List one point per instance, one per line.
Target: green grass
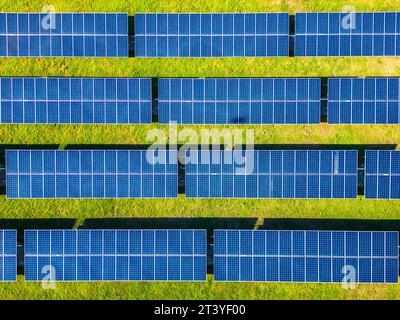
(181, 207)
(207, 290)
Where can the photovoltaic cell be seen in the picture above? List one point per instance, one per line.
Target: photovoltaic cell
(239, 101)
(91, 174)
(212, 35)
(116, 255)
(347, 34)
(8, 255)
(75, 100)
(64, 35)
(363, 101)
(271, 174)
(306, 256)
(382, 174)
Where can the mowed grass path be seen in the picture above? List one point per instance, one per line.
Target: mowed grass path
(250, 67)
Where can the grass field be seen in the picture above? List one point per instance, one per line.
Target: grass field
(181, 207)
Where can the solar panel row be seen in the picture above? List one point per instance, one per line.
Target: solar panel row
(209, 174)
(199, 35)
(198, 101)
(382, 174)
(271, 174)
(212, 35)
(64, 35)
(306, 256)
(347, 34)
(239, 101)
(8, 255)
(181, 255)
(363, 101)
(75, 100)
(116, 255)
(91, 174)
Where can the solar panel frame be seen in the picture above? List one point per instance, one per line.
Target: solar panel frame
(69, 40)
(56, 100)
(226, 41)
(363, 101)
(271, 245)
(8, 255)
(382, 174)
(85, 247)
(90, 174)
(364, 41)
(239, 100)
(272, 174)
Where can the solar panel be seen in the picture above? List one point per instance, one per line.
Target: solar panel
(347, 34)
(363, 101)
(212, 35)
(91, 174)
(306, 256)
(75, 100)
(271, 174)
(64, 35)
(8, 255)
(239, 101)
(382, 174)
(116, 255)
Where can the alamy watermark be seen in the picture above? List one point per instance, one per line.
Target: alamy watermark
(349, 20)
(192, 142)
(49, 20)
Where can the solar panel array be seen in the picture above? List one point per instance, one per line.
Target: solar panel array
(363, 101)
(116, 255)
(347, 34)
(306, 256)
(199, 35)
(91, 174)
(239, 101)
(382, 174)
(64, 35)
(212, 35)
(271, 174)
(8, 255)
(75, 100)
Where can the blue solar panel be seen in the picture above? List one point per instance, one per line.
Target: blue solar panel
(212, 35)
(306, 256)
(382, 174)
(271, 174)
(347, 34)
(64, 35)
(363, 101)
(91, 174)
(239, 101)
(116, 255)
(75, 100)
(8, 255)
